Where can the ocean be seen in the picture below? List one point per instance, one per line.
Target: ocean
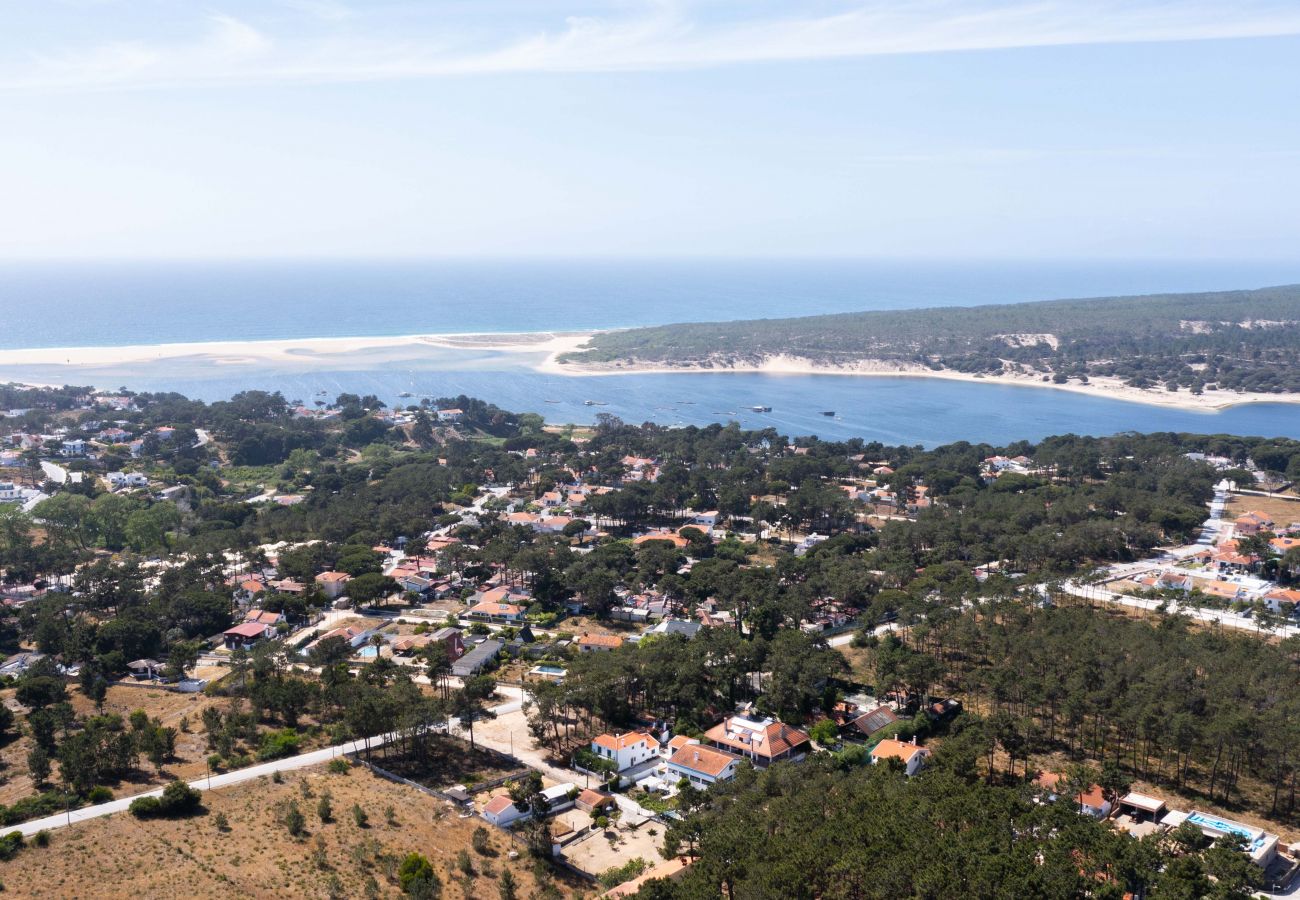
(109, 304)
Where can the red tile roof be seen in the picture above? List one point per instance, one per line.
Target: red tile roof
(247, 630)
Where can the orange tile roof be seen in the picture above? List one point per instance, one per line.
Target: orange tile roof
(706, 760)
(594, 798)
(488, 608)
(892, 749)
(770, 741)
(670, 537)
(600, 640)
(1093, 796)
(620, 741)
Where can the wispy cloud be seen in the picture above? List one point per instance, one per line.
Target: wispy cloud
(329, 10)
(229, 50)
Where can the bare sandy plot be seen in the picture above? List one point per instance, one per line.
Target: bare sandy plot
(597, 853)
(122, 857)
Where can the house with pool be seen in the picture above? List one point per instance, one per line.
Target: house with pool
(1260, 845)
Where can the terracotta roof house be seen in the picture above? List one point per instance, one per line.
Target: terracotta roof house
(625, 750)
(599, 643)
(910, 755)
(264, 617)
(590, 800)
(502, 812)
(333, 583)
(674, 744)
(762, 741)
(1252, 522)
(411, 643)
(1275, 598)
(670, 537)
(702, 765)
(1281, 545)
(1091, 802)
(492, 610)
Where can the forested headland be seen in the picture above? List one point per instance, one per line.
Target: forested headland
(1235, 341)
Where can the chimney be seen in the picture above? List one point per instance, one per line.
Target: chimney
(913, 740)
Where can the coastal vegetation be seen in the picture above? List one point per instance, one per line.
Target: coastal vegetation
(1237, 341)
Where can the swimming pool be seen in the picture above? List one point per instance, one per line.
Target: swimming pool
(368, 652)
(1253, 837)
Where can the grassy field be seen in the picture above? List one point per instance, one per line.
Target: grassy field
(122, 857)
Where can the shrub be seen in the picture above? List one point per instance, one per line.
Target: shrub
(222, 823)
(145, 807)
(506, 888)
(339, 767)
(99, 794)
(10, 844)
(416, 876)
(325, 809)
(41, 838)
(294, 820)
(179, 799)
(279, 744)
(359, 816)
(626, 872)
(464, 863)
(480, 841)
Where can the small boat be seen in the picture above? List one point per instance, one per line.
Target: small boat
(761, 409)
(552, 401)
(406, 394)
(594, 403)
(828, 412)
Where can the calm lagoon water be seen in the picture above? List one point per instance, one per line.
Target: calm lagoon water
(110, 304)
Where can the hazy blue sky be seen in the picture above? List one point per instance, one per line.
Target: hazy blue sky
(924, 128)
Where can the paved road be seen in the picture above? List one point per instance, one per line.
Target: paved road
(225, 779)
(239, 776)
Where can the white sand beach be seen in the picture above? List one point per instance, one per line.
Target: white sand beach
(293, 352)
(1111, 388)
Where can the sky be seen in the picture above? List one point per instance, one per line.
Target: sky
(953, 129)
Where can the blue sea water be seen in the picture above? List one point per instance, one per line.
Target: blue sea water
(143, 303)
